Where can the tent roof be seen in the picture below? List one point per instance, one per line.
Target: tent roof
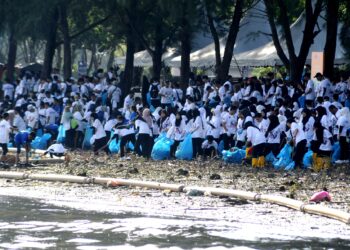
(254, 32)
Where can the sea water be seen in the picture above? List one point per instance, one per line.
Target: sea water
(35, 224)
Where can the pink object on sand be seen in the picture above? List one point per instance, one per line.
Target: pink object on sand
(321, 196)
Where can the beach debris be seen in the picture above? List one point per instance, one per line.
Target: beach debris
(215, 177)
(182, 172)
(321, 196)
(195, 192)
(112, 183)
(133, 171)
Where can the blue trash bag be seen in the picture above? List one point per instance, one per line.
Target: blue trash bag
(161, 149)
(221, 147)
(61, 134)
(336, 152)
(114, 146)
(185, 149)
(130, 146)
(235, 156)
(148, 98)
(290, 166)
(41, 142)
(39, 132)
(284, 157)
(307, 159)
(87, 138)
(270, 158)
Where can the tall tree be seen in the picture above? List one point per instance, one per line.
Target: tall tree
(332, 8)
(293, 62)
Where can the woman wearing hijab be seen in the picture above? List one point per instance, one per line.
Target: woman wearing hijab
(176, 132)
(257, 139)
(144, 139)
(99, 135)
(273, 136)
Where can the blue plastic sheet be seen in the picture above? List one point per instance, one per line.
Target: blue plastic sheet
(61, 134)
(161, 148)
(185, 149)
(336, 152)
(235, 156)
(87, 138)
(284, 157)
(307, 159)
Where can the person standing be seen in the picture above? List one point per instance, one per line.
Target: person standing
(5, 130)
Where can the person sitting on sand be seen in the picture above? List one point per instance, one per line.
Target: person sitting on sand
(209, 147)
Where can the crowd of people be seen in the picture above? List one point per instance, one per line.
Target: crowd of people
(264, 114)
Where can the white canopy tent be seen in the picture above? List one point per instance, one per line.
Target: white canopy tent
(253, 33)
(144, 59)
(267, 54)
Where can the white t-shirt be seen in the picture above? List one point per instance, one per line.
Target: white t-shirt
(197, 128)
(310, 86)
(166, 95)
(99, 132)
(110, 124)
(143, 127)
(19, 123)
(51, 115)
(5, 129)
(8, 90)
(56, 148)
(297, 132)
(274, 136)
(345, 123)
(255, 136)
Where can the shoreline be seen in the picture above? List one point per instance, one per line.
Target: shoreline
(170, 204)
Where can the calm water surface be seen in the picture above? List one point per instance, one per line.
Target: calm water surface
(32, 224)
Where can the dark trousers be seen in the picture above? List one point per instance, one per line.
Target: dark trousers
(144, 144)
(155, 103)
(174, 147)
(124, 140)
(258, 150)
(272, 147)
(197, 146)
(299, 151)
(101, 144)
(344, 148)
(70, 135)
(4, 148)
(225, 139)
(209, 152)
(239, 144)
(79, 138)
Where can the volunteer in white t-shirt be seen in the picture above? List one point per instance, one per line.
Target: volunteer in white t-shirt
(299, 141)
(99, 135)
(257, 140)
(5, 130)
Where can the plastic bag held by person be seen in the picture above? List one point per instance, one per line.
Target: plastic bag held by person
(161, 149)
(61, 134)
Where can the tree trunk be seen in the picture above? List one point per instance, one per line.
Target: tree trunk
(59, 58)
(216, 39)
(111, 58)
(31, 47)
(231, 40)
(50, 44)
(129, 64)
(11, 58)
(331, 37)
(67, 51)
(185, 39)
(92, 59)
